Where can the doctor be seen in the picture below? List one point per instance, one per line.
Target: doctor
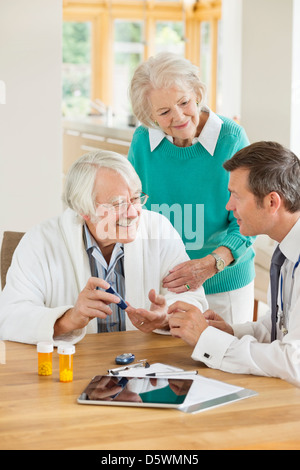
(56, 286)
(265, 199)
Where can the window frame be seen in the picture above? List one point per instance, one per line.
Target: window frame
(102, 13)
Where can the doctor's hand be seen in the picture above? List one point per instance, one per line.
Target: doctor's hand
(91, 303)
(217, 322)
(186, 322)
(149, 320)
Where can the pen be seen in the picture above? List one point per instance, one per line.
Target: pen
(184, 372)
(142, 363)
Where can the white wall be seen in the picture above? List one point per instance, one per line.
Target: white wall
(231, 71)
(267, 69)
(261, 68)
(30, 119)
(295, 118)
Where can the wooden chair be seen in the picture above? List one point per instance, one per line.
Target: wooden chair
(9, 244)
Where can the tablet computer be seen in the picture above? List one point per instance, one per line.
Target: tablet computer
(137, 391)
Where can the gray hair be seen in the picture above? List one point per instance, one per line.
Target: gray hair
(272, 167)
(162, 71)
(79, 192)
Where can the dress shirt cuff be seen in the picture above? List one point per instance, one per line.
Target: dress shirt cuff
(212, 346)
(243, 329)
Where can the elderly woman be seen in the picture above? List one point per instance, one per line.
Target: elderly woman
(178, 152)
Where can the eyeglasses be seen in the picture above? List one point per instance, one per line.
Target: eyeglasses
(137, 201)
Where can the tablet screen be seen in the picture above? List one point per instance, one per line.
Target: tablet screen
(136, 390)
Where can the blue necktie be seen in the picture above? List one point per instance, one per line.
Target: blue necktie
(276, 263)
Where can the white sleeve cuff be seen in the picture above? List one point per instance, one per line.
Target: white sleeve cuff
(212, 346)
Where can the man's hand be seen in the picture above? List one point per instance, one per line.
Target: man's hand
(217, 322)
(149, 320)
(90, 303)
(186, 322)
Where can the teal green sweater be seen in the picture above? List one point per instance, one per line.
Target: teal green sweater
(190, 187)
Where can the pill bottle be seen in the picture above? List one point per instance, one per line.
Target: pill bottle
(66, 353)
(45, 351)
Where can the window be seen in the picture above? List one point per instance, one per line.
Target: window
(219, 67)
(128, 54)
(76, 73)
(169, 37)
(105, 40)
(205, 55)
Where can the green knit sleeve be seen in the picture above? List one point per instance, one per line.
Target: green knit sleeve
(131, 153)
(242, 140)
(237, 243)
(138, 141)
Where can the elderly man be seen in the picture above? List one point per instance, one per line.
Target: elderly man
(56, 286)
(265, 199)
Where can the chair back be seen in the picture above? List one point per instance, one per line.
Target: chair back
(9, 244)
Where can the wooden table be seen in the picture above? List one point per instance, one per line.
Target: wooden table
(42, 413)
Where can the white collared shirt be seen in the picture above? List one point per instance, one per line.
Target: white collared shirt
(208, 137)
(250, 350)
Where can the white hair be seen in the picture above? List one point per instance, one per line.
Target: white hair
(79, 192)
(163, 71)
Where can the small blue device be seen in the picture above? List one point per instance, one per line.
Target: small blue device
(122, 304)
(125, 359)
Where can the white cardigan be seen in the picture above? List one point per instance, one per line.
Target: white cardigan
(50, 267)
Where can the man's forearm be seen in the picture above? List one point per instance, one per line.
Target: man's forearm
(64, 324)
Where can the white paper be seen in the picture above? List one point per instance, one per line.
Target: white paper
(205, 393)
(143, 372)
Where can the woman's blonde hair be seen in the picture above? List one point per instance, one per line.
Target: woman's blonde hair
(163, 71)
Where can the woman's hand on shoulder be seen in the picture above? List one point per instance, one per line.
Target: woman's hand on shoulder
(190, 275)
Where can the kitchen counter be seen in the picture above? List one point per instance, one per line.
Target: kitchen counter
(97, 125)
(87, 134)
